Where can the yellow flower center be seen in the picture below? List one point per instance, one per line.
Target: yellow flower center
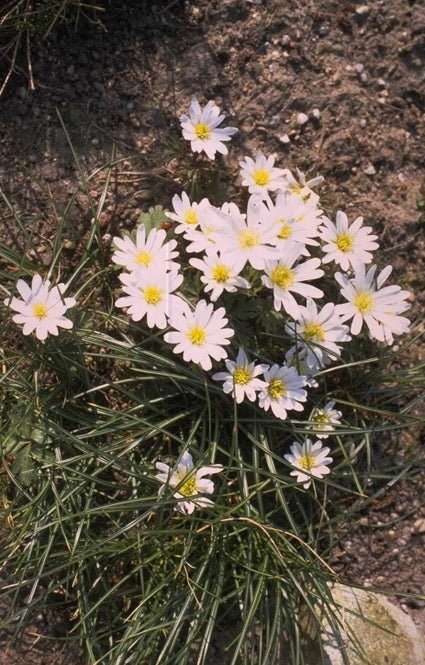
(189, 486)
(285, 231)
(313, 332)
(241, 376)
(202, 131)
(143, 258)
(220, 274)
(248, 238)
(196, 335)
(152, 295)
(298, 188)
(191, 216)
(276, 388)
(282, 276)
(261, 177)
(40, 310)
(306, 462)
(364, 302)
(321, 418)
(344, 242)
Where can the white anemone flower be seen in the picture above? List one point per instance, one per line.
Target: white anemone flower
(202, 130)
(301, 186)
(150, 295)
(346, 244)
(284, 390)
(369, 302)
(211, 219)
(287, 276)
(318, 334)
(147, 249)
(249, 240)
(323, 420)
(190, 483)
(310, 461)
(200, 334)
(241, 378)
(219, 275)
(260, 175)
(296, 220)
(186, 213)
(42, 307)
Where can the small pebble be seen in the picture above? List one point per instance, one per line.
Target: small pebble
(302, 118)
(284, 139)
(370, 170)
(419, 525)
(362, 10)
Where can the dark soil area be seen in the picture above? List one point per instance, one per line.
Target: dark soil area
(122, 86)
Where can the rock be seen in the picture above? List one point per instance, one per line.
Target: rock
(302, 118)
(374, 631)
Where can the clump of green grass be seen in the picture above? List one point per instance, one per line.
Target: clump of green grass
(23, 23)
(90, 530)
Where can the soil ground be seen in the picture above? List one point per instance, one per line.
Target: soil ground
(356, 69)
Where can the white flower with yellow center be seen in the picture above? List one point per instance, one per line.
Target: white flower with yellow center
(200, 334)
(218, 275)
(260, 175)
(347, 244)
(249, 240)
(150, 294)
(286, 276)
(369, 302)
(42, 308)
(317, 334)
(145, 251)
(189, 483)
(202, 130)
(211, 219)
(241, 378)
(323, 420)
(301, 186)
(284, 390)
(310, 461)
(186, 213)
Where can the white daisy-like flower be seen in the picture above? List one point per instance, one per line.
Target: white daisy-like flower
(310, 461)
(296, 220)
(369, 302)
(301, 186)
(261, 176)
(241, 378)
(150, 294)
(219, 275)
(323, 420)
(318, 334)
(211, 219)
(146, 250)
(347, 244)
(284, 390)
(249, 240)
(186, 213)
(42, 307)
(200, 334)
(285, 276)
(202, 130)
(190, 483)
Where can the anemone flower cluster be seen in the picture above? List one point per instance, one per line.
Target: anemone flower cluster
(314, 275)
